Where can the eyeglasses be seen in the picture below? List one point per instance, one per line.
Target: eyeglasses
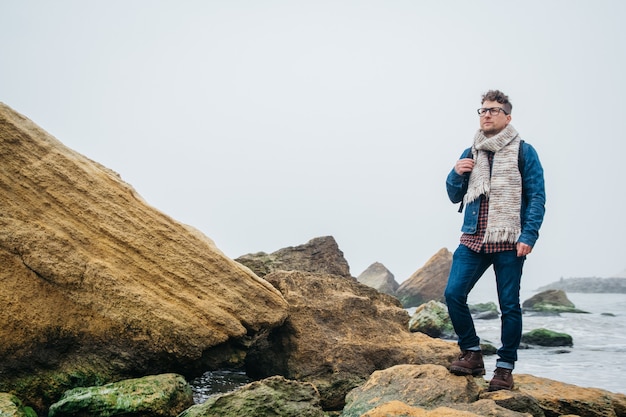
(493, 111)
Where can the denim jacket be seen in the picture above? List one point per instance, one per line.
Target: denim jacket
(533, 195)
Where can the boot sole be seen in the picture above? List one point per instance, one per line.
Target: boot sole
(460, 371)
(499, 388)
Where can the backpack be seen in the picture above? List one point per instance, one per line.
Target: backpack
(520, 159)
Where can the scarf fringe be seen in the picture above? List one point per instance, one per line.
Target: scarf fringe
(509, 235)
(475, 192)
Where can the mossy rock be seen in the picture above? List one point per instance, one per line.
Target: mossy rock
(483, 307)
(545, 337)
(11, 406)
(156, 395)
(274, 396)
(43, 388)
(488, 349)
(432, 319)
(550, 301)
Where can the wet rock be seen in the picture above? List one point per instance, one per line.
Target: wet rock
(484, 311)
(545, 337)
(275, 396)
(487, 315)
(152, 396)
(488, 348)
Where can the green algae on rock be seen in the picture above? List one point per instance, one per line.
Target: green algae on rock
(156, 395)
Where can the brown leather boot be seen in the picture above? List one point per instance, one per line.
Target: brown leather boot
(502, 379)
(470, 362)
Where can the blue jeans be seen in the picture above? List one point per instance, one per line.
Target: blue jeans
(467, 268)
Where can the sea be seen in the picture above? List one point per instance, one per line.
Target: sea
(597, 358)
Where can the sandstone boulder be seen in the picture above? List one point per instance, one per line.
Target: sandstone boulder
(558, 398)
(338, 332)
(321, 254)
(399, 409)
(430, 390)
(514, 400)
(96, 285)
(379, 277)
(477, 409)
(427, 283)
(427, 386)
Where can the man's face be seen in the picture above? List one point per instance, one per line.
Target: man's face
(493, 124)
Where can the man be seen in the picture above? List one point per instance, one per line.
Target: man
(499, 180)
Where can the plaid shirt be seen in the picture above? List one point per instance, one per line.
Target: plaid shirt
(475, 241)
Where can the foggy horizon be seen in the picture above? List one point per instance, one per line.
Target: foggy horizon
(267, 124)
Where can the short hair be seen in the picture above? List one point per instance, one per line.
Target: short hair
(500, 97)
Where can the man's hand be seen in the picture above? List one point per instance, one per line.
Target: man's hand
(523, 249)
(464, 166)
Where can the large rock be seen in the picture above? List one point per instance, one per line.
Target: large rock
(321, 254)
(96, 285)
(427, 283)
(557, 398)
(428, 390)
(338, 332)
(550, 301)
(379, 277)
(427, 386)
(151, 396)
(274, 396)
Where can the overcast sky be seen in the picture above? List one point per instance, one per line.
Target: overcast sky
(265, 124)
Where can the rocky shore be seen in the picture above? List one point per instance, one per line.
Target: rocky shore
(109, 307)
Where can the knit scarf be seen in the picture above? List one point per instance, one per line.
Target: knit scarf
(501, 184)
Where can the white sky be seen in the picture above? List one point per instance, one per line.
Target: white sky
(267, 123)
